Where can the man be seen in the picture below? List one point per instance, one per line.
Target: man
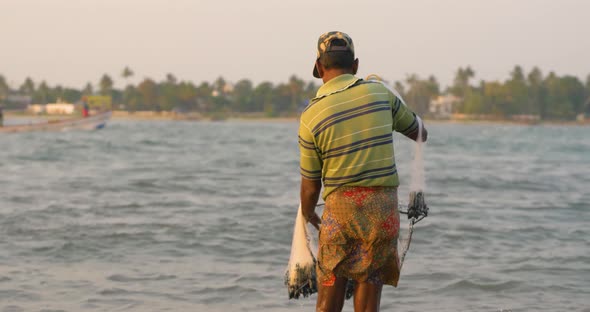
(1, 117)
(345, 142)
(85, 109)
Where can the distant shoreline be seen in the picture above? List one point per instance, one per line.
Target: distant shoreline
(261, 117)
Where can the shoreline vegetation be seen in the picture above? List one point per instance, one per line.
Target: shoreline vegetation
(262, 117)
(528, 97)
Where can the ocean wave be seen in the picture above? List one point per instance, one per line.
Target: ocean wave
(145, 278)
(464, 285)
(149, 216)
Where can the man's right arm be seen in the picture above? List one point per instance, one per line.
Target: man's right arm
(407, 122)
(419, 131)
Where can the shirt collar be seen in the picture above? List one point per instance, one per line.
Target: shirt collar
(336, 84)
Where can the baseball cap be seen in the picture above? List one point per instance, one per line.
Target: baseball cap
(325, 46)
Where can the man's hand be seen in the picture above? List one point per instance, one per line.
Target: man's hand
(310, 192)
(414, 134)
(314, 219)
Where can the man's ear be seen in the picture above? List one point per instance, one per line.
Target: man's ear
(355, 66)
(320, 68)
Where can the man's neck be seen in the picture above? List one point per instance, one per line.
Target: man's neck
(333, 73)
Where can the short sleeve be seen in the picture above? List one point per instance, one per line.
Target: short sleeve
(404, 120)
(310, 160)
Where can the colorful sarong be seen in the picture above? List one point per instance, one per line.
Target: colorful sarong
(358, 236)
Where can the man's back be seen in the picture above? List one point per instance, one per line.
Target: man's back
(346, 133)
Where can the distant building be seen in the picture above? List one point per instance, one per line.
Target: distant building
(442, 105)
(16, 101)
(36, 108)
(228, 88)
(60, 108)
(98, 102)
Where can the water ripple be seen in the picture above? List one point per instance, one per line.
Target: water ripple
(184, 216)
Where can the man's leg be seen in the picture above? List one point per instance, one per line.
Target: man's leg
(331, 298)
(367, 297)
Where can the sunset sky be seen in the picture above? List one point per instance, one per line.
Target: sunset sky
(71, 42)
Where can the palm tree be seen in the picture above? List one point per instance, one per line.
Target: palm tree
(28, 87)
(88, 90)
(296, 89)
(106, 85)
(126, 74)
(461, 82)
(4, 88)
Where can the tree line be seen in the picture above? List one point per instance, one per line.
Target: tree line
(547, 96)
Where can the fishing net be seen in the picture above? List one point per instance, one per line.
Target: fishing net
(416, 211)
(416, 208)
(300, 277)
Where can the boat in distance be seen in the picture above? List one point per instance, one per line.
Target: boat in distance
(93, 122)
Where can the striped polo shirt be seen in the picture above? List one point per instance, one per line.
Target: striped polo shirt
(345, 134)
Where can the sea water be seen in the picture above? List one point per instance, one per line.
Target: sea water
(198, 216)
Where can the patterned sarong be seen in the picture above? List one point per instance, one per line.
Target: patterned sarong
(358, 236)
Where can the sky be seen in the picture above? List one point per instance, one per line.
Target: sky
(72, 42)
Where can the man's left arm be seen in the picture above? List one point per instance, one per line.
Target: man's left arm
(311, 174)
(310, 193)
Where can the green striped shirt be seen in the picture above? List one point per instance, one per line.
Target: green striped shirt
(345, 134)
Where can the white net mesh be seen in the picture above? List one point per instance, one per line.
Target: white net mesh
(300, 277)
(417, 181)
